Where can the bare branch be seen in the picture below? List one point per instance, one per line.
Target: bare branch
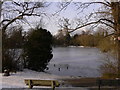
(107, 24)
(99, 21)
(22, 9)
(106, 4)
(11, 21)
(107, 21)
(83, 6)
(63, 7)
(72, 30)
(5, 20)
(16, 3)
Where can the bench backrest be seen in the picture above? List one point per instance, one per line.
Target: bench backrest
(42, 82)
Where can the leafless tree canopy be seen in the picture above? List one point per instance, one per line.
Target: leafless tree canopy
(13, 12)
(106, 15)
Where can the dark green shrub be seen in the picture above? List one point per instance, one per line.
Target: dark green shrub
(38, 49)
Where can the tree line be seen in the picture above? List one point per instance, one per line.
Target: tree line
(97, 38)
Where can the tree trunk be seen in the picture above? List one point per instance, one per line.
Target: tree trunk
(118, 35)
(119, 59)
(0, 38)
(115, 6)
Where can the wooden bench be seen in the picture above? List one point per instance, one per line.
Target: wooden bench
(52, 83)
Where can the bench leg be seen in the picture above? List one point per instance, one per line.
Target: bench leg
(30, 84)
(53, 85)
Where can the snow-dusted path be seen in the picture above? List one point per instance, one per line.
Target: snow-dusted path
(17, 80)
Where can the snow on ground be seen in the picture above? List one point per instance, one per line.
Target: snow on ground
(16, 80)
(0, 81)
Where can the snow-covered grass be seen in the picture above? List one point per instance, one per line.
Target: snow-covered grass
(74, 62)
(16, 80)
(0, 81)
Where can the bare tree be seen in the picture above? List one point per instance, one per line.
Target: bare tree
(109, 16)
(13, 13)
(17, 11)
(113, 22)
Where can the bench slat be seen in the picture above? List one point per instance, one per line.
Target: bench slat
(52, 83)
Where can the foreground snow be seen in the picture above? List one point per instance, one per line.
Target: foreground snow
(0, 81)
(17, 80)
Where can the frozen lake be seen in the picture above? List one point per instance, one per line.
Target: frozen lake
(75, 61)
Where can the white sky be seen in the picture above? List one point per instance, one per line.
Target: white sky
(65, 0)
(51, 22)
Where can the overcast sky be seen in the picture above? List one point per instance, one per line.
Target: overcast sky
(51, 22)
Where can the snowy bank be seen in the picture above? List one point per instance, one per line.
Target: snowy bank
(17, 80)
